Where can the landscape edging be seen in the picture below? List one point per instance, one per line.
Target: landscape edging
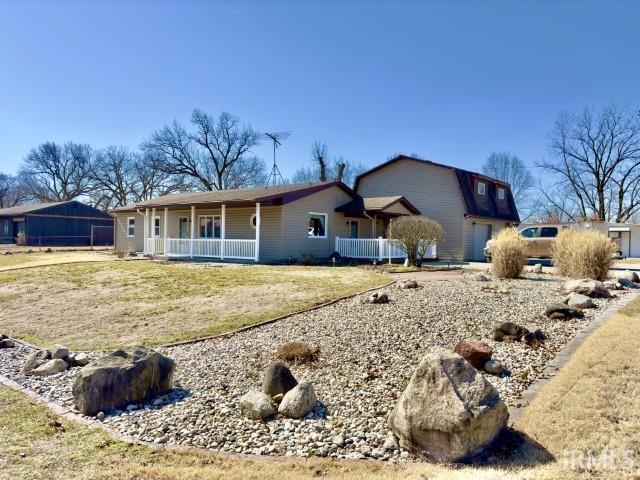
(563, 356)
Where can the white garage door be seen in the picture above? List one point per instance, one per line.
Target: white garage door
(481, 233)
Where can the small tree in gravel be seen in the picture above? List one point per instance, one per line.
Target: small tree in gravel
(415, 234)
(508, 254)
(583, 254)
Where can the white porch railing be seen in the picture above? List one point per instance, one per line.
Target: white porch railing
(211, 248)
(374, 248)
(154, 246)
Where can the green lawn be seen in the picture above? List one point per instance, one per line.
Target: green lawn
(107, 304)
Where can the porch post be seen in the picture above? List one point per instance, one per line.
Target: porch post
(153, 231)
(166, 230)
(146, 229)
(222, 232)
(257, 232)
(193, 229)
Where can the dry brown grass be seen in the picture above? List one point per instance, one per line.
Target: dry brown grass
(297, 352)
(508, 254)
(583, 254)
(105, 305)
(28, 260)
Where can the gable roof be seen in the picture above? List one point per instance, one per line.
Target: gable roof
(274, 195)
(376, 204)
(34, 207)
(488, 206)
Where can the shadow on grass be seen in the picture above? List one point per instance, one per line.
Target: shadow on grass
(512, 449)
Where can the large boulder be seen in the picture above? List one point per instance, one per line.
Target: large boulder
(277, 379)
(449, 411)
(377, 298)
(405, 284)
(474, 352)
(7, 343)
(298, 401)
(257, 405)
(585, 286)
(625, 282)
(577, 300)
(51, 367)
(561, 311)
(126, 376)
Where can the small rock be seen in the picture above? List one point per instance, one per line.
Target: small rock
(81, 359)
(52, 367)
(278, 398)
(59, 352)
(257, 405)
(628, 275)
(565, 310)
(475, 352)
(480, 277)
(33, 361)
(338, 440)
(494, 367)
(627, 283)
(537, 268)
(298, 401)
(577, 300)
(508, 331)
(7, 343)
(278, 379)
(378, 298)
(391, 442)
(100, 416)
(404, 284)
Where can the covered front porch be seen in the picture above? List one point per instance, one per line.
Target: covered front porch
(202, 232)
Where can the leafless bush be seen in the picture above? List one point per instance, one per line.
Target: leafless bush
(297, 352)
(583, 254)
(415, 234)
(508, 254)
(21, 239)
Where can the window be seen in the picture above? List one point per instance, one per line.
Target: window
(500, 193)
(131, 227)
(481, 188)
(548, 232)
(317, 225)
(185, 227)
(530, 232)
(156, 227)
(252, 221)
(353, 228)
(5, 226)
(210, 226)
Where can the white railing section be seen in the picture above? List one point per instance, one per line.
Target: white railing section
(374, 248)
(211, 248)
(154, 246)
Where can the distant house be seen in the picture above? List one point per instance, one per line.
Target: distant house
(69, 223)
(269, 224)
(471, 207)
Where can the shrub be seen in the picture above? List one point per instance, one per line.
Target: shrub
(415, 234)
(119, 253)
(21, 240)
(508, 254)
(583, 254)
(297, 352)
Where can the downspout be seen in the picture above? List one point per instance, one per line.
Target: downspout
(364, 212)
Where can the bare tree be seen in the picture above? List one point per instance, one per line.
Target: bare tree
(323, 168)
(11, 192)
(596, 157)
(508, 168)
(215, 156)
(113, 177)
(55, 173)
(150, 181)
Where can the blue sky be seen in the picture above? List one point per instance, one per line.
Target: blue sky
(451, 81)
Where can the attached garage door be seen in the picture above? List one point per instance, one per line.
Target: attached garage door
(481, 233)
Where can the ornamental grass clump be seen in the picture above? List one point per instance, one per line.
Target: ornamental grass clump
(508, 254)
(297, 352)
(583, 254)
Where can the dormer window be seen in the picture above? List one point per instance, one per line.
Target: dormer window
(481, 188)
(500, 193)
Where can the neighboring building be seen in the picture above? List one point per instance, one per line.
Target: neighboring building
(68, 223)
(470, 207)
(270, 224)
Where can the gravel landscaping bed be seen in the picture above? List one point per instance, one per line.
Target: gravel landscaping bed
(367, 355)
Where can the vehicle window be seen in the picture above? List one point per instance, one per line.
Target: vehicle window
(548, 232)
(530, 232)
